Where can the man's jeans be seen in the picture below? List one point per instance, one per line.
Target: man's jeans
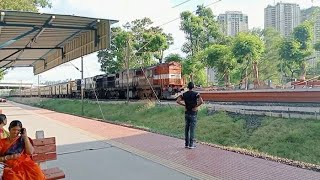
(191, 120)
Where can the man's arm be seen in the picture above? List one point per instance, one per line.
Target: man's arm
(180, 101)
(200, 102)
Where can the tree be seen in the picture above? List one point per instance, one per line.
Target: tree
(303, 35)
(22, 5)
(248, 49)
(174, 58)
(219, 57)
(147, 44)
(201, 31)
(270, 63)
(193, 70)
(113, 60)
(298, 48)
(317, 46)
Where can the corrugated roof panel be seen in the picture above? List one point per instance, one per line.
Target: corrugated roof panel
(52, 33)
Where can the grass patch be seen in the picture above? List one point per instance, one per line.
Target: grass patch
(288, 138)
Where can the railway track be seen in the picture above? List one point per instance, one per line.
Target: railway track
(306, 108)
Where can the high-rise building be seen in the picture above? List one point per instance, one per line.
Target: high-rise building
(270, 16)
(284, 17)
(233, 22)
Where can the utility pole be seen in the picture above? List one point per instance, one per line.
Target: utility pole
(21, 89)
(127, 57)
(281, 80)
(82, 85)
(127, 67)
(246, 78)
(39, 93)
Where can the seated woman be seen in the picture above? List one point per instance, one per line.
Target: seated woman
(15, 152)
(3, 122)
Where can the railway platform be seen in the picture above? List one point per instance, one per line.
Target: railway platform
(90, 149)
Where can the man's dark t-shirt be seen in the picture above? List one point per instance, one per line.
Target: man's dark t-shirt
(190, 99)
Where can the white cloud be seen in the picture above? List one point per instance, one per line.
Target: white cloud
(128, 10)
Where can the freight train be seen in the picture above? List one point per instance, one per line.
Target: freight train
(162, 80)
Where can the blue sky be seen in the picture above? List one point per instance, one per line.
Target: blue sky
(160, 11)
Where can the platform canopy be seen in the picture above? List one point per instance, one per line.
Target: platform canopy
(44, 41)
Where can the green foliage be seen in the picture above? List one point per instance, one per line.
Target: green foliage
(247, 48)
(290, 50)
(112, 60)
(149, 42)
(193, 70)
(291, 69)
(201, 77)
(174, 58)
(219, 57)
(303, 35)
(24, 5)
(314, 70)
(317, 46)
(298, 48)
(146, 44)
(269, 65)
(201, 30)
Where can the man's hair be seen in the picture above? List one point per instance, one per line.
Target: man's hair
(190, 85)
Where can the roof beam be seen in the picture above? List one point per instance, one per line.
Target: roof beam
(25, 65)
(3, 24)
(17, 38)
(4, 66)
(30, 48)
(3, 70)
(10, 55)
(34, 39)
(23, 60)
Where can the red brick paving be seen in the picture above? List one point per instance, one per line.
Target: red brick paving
(212, 161)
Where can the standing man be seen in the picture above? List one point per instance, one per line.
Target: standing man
(191, 100)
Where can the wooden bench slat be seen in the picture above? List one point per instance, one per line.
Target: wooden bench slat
(44, 157)
(53, 174)
(45, 149)
(44, 141)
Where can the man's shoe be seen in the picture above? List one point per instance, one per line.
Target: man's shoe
(192, 147)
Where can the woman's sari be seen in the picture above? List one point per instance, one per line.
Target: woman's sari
(22, 168)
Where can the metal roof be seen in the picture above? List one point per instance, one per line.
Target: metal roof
(44, 41)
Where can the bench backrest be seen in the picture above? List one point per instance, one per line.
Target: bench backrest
(45, 149)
